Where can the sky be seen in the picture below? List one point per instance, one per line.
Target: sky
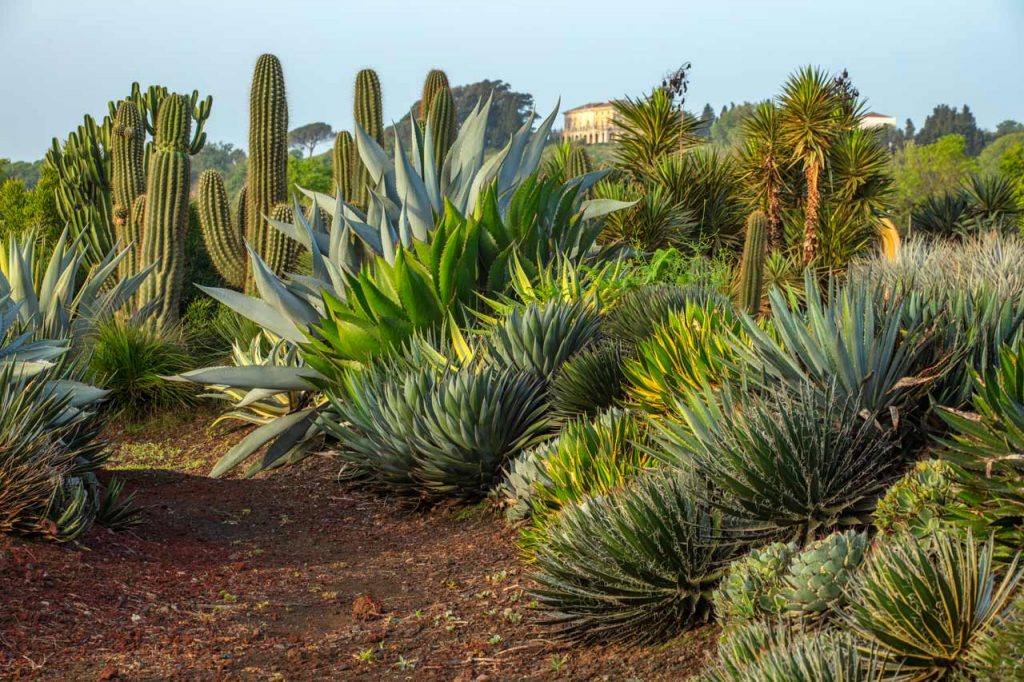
(64, 58)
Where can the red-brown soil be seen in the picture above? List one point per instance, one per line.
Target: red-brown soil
(289, 576)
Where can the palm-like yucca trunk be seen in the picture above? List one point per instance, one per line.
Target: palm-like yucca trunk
(812, 172)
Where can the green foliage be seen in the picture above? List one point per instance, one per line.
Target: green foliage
(589, 382)
(636, 565)
(639, 313)
(727, 128)
(309, 136)
(751, 274)
(35, 209)
(590, 459)
(926, 170)
(996, 653)
(130, 361)
(786, 464)
(924, 606)
(945, 121)
(405, 426)
(693, 348)
(224, 158)
(539, 338)
(751, 589)
(312, 173)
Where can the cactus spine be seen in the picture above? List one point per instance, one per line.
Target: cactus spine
(166, 213)
(442, 123)
(369, 116)
(343, 162)
(752, 263)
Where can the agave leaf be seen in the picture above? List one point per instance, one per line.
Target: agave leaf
(258, 311)
(253, 376)
(257, 439)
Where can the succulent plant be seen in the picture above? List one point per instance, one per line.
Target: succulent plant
(540, 338)
(640, 312)
(590, 381)
(751, 274)
(369, 118)
(817, 576)
(996, 653)
(525, 475)
(693, 348)
(924, 605)
(637, 565)
(751, 589)
(784, 465)
(343, 161)
(920, 502)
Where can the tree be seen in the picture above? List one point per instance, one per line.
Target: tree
(992, 155)
(763, 162)
(946, 120)
(708, 120)
(310, 173)
(809, 124)
(309, 136)
(22, 209)
(924, 170)
(908, 130)
(726, 131)
(1007, 127)
(509, 111)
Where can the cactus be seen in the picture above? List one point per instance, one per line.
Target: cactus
(751, 272)
(436, 81)
(442, 124)
(343, 162)
(369, 117)
(128, 178)
(223, 241)
(578, 163)
(267, 176)
(266, 186)
(166, 214)
(134, 231)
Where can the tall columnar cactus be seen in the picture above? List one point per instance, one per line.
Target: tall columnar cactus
(752, 264)
(436, 81)
(343, 161)
(267, 174)
(442, 123)
(128, 178)
(166, 213)
(135, 229)
(266, 186)
(370, 117)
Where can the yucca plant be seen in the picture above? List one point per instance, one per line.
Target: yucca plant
(590, 458)
(590, 381)
(655, 220)
(649, 129)
(785, 464)
(539, 338)
(924, 607)
(692, 348)
(131, 360)
(641, 311)
(637, 565)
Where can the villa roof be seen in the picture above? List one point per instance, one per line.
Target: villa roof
(588, 105)
(875, 114)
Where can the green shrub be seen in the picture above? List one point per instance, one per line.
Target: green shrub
(538, 338)
(130, 361)
(637, 565)
(643, 310)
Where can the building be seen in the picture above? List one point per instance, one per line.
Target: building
(590, 124)
(873, 119)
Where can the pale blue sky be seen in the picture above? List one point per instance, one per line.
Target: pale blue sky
(63, 58)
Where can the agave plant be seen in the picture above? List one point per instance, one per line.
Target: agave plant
(924, 607)
(590, 458)
(637, 565)
(785, 464)
(640, 312)
(540, 338)
(588, 382)
(876, 354)
(760, 652)
(524, 477)
(60, 302)
(919, 503)
(691, 349)
(751, 589)
(996, 653)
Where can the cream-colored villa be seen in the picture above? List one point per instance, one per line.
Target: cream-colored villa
(590, 123)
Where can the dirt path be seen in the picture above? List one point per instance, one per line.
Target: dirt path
(293, 576)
